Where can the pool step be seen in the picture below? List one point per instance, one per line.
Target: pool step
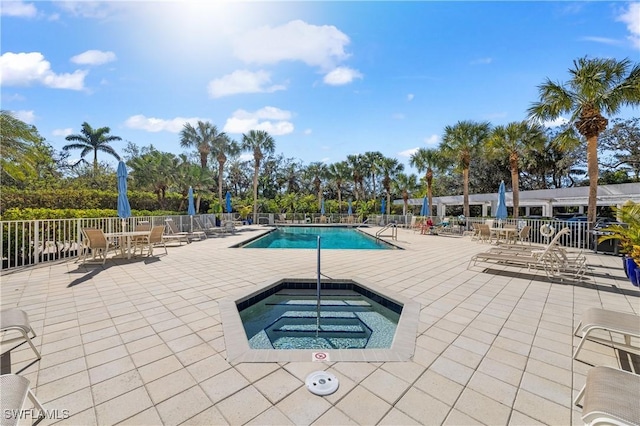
(337, 330)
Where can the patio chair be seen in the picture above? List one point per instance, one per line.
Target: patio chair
(15, 390)
(97, 242)
(610, 397)
(13, 319)
(611, 321)
(155, 237)
(174, 232)
(523, 235)
(204, 228)
(483, 233)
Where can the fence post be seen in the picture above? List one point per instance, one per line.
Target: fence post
(36, 242)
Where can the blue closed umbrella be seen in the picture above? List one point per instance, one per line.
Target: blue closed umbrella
(191, 210)
(383, 206)
(424, 211)
(228, 202)
(124, 209)
(350, 211)
(501, 211)
(322, 207)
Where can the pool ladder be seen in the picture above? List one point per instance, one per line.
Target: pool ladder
(393, 227)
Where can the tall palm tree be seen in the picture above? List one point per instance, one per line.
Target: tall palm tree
(338, 174)
(372, 163)
(390, 168)
(515, 139)
(221, 146)
(317, 171)
(460, 143)
(259, 143)
(406, 185)
(156, 171)
(597, 87)
(356, 164)
(95, 140)
(427, 160)
(201, 137)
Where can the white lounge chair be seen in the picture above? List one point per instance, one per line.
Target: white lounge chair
(611, 321)
(543, 258)
(15, 390)
(175, 233)
(610, 397)
(13, 319)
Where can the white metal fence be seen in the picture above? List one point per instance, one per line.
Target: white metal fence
(30, 242)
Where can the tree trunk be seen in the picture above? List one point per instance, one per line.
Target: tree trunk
(256, 169)
(465, 191)
(592, 168)
(515, 183)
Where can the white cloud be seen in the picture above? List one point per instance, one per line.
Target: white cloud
(341, 75)
(481, 61)
(18, 9)
(23, 69)
(317, 46)
(632, 18)
(410, 97)
(273, 120)
(88, 8)
(408, 152)
(432, 140)
(560, 121)
(602, 40)
(247, 156)
(242, 81)
(62, 132)
(94, 57)
(28, 117)
(151, 124)
(307, 131)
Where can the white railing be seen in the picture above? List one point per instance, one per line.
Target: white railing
(30, 242)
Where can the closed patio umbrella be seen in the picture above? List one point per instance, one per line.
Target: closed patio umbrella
(228, 202)
(383, 206)
(424, 211)
(322, 207)
(191, 209)
(501, 210)
(350, 210)
(124, 209)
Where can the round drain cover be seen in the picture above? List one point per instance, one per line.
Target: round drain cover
(322, 383)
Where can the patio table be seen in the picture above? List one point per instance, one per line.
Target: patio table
(128, 236)
(509, 234)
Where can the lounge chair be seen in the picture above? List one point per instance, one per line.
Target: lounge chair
(13, 319)
(97, 242)
(610, 397)
(15, 390)
(209, 230)
(543, 259)
(155, 237)
(611, 321)
(175, 232)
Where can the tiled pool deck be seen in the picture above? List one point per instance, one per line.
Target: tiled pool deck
(140, 341)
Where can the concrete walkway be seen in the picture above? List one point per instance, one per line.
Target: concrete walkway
(140, 341)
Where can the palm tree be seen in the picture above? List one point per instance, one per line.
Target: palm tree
(515, 139)
(95, 140)
(390, 168)
(156, 171)
(356, 164)
(338, 174)
(460, 143)
(426, 160)
(221, 146)
(372, 162)
(407, 185)
(597, 86)
(317, 171)
(202, 137)
(259, 143)
(18, 141)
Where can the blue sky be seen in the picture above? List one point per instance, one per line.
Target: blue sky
(325, 79)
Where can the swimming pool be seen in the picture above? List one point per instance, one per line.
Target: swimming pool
(306, 237)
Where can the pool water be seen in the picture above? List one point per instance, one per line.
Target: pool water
(348, 320)
(307, 237)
